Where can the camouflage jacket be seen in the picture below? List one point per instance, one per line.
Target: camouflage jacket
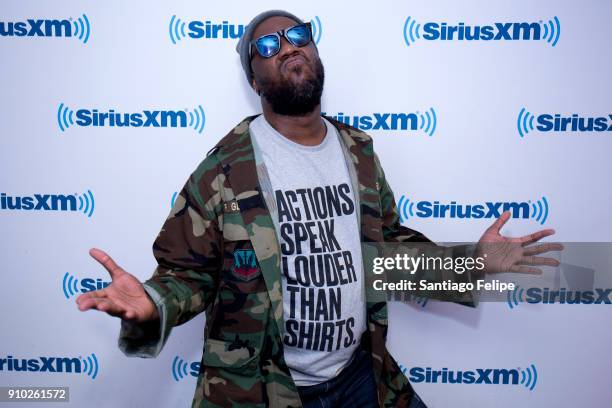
(219, 218)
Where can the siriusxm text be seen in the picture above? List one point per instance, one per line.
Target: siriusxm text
(36, 28)
(565, 296)
(208, 29)
(146, 118)
(574, 123)
(427, 209)
(42, 364)
(476, 376)
(90, 284)
(495, 32)
(39, 202)
(379, 121)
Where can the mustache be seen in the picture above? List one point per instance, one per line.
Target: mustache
(295, 53)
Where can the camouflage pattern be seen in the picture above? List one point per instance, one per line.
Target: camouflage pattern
(203, 249)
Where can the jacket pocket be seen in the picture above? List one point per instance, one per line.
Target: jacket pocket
(233, 227)
(230, 355)
(231, 375)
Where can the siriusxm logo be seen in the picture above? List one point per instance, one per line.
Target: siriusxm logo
(72, 286)
(79, 28)
(78, 365)
(203, 29)
(50, 202)
(194, 118)
(415, 121)
(597, 296)
(548, 31)
(181, 369)
(547, 122)
(527, 377)
(178, 29)
(537, 210)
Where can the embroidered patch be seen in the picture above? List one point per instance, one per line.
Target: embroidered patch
(245, 264)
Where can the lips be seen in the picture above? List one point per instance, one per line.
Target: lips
(298, 59)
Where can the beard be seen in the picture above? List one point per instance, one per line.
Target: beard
(294, 99)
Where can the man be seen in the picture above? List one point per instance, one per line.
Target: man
(266, 236)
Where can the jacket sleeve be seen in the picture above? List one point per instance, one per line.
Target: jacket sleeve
(394, 232)
(188, 252)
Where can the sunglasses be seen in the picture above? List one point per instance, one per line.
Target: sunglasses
(269, 45)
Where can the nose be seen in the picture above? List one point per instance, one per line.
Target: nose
(286, 48)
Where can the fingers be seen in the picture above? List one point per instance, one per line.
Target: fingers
(499, 223)
(538, 260)
(525, 269)
(536, 236)
(113, 269)
(100, 303)
(89, 295)
(88, 300)
(541, 248)
(92, 302)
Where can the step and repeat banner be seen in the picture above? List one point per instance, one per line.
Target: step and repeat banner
(475, 107)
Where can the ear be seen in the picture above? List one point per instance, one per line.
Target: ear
(254, 86)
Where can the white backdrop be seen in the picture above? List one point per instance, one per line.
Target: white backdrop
(132, 57)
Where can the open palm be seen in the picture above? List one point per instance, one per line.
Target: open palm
(125, 297)
(506, 254)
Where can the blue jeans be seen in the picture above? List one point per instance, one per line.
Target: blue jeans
(353, 387)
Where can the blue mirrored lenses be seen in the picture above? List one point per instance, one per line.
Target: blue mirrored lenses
(298, 35)
(267, 45)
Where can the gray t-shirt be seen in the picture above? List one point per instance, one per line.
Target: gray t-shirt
(321, 266)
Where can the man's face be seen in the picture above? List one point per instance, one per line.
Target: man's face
(292, 80)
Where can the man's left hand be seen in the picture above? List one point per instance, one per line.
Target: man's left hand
(505, 254)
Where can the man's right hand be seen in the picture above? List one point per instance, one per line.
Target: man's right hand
(125, 297)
